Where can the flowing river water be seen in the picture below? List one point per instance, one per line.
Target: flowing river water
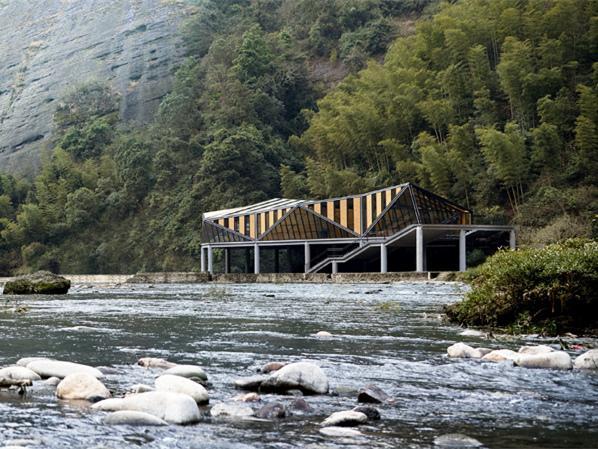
(388, 335)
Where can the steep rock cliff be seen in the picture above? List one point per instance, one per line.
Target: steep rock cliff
(50, 46)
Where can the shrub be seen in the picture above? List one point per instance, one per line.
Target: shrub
(550, 290)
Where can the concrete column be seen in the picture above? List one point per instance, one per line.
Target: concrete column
(210, 259)
(462, 250)
(334, 267)
(512, 239)
(256, 259)
(383, 258)
(419, 249)
(227, 260)
(306, 256)
(203, 259)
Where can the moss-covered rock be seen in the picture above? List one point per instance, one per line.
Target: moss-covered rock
(41, 283)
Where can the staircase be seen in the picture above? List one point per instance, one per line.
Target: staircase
(364, 246)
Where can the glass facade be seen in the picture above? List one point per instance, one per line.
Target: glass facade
(303, 224)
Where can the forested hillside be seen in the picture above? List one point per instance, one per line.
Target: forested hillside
(493, 103)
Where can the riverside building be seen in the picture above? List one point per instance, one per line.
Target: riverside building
(399, 228)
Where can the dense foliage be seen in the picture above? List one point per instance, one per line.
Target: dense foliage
(112, 199)
(552, 290)
(493, 103)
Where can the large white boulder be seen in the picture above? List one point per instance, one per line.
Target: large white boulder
(304, 376)
(27, 360)
(461, 350)
(56, 368)
(501, 355)
(340, 432)
(81, 386)
(588, 360)
(175, 408)
(18, 373)
(177, 384)
(551, 360)
(131, 418)
(188, 371)
(534, 350)
(346, 418)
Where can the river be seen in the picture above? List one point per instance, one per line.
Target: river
(388, 335)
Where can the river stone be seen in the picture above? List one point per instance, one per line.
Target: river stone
(152, 362)
(40, 283)
(347, 418)
(177, 384)
(588, 360)
(461, 350)
(372, 413)
(501, 355)
(301, 405)
(372, 394)
(249, 397)
(54, 381)
(19, 373)
(551, 360)
(533, 350)
(175, 408)
(56, 368)
(272, 410)
(340, 432)
(305, 376)
(456, 441)
(271, 366)
(323, 334)
(131, 418)
(81, 386)
(27, 360)
(140, 388)
(188, 371)
(231, 410)
(251, 383)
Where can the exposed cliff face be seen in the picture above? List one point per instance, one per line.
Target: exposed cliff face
(50, 46)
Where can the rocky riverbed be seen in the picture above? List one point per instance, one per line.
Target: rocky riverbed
(369, 341)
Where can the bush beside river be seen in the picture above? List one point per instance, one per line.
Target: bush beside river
(550, 290)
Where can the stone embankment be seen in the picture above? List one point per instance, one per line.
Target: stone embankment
(240, 278)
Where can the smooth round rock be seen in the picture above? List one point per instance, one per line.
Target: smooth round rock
(250, 383)
(271, 367)
(54, 381)
(27, 360)
(323, 334)
(60, 369)
(188, 371)
(140, 388)
(461, 350)
(588, 360)
(534, 350)
(340, 432)
(456, 441)
(153, 362)
(473, 333)
(18, 373)
(347, 418)
(81, 386)
(175, 408)
(177, 384)
(549, 360)
(231, 411)
(301, 405)
(501, 355)
(372, 394)
(305, 376)
(131, 418)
